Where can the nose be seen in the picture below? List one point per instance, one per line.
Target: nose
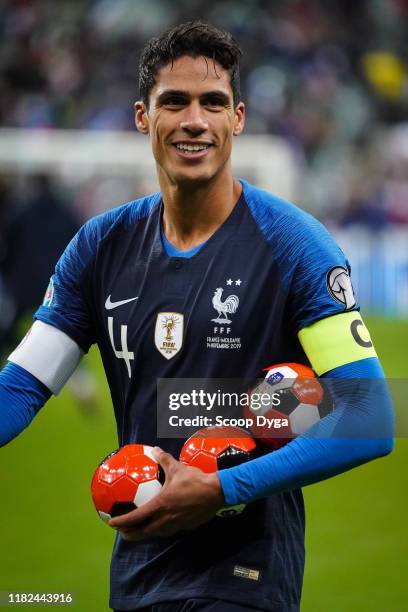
(193, 121)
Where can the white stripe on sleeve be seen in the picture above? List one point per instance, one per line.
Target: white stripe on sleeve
(48, 354)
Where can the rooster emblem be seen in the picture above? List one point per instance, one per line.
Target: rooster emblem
(230, 306)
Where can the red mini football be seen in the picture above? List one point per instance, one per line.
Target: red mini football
(125, 480)
(217, 448)
(298, 401)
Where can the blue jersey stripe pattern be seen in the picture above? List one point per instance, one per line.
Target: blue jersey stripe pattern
(69, 313)
(304, 251)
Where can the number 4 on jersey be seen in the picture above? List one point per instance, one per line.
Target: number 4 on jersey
(125, 354)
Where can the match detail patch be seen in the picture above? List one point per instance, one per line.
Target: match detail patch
(246, 572)
(340, 288)
(335, 341)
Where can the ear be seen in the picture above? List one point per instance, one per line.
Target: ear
(239, 119)
(141, 118)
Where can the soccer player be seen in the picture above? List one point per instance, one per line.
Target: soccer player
(149, 282)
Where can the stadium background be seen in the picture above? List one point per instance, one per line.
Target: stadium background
(326, 88)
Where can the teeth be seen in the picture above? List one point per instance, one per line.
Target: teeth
(191, 147)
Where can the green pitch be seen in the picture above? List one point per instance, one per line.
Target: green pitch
(53, 541)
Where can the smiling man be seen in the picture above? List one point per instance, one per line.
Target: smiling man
(191, 112)
(145, 282)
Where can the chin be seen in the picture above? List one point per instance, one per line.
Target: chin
(198, 177)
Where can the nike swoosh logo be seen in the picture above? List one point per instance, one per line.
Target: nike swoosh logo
(109, 305)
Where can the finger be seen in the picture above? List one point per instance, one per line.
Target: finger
(136, 517)
(164, 459)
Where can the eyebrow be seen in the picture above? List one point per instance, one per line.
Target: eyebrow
(224, 98)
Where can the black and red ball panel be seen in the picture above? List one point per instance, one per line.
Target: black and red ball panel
(216, 448)
(125, 480)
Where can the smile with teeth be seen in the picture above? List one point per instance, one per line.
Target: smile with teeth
(183, 146)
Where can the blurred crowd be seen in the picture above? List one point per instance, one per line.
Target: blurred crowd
(32, 238)
(329, 77)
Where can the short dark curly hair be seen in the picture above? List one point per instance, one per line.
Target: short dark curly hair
(195, 39)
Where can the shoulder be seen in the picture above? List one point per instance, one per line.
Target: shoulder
(276, 216)
(313, 268)
(85, 244)
(100, 227)
(286, 227)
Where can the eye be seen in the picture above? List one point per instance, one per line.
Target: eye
(174, 101)
(214, 101)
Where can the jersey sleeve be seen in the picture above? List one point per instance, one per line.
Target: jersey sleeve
(65, 304)
(323, 305)
(21, 397)
(313, 270)
(320, 284)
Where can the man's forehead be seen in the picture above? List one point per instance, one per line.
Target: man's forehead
(187, 72)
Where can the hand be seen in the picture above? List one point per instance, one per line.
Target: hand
(189, 498)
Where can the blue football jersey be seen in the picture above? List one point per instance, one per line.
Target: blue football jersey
(228, 311)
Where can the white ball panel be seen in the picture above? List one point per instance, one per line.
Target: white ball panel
(145, 492)
(104, 516)
(303, 417)
(262, 388)
(148, 452)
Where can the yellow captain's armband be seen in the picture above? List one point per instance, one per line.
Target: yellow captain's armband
(337, 340)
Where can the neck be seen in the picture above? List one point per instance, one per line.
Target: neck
(194, 211)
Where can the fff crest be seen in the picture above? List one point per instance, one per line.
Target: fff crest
(168, 333)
